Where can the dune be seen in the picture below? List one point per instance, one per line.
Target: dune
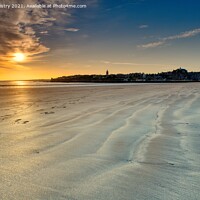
(106, 142)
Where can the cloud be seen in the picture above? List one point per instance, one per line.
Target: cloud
(117, 63)
(120, 6)
(186, 34)
(130, 63)
(162, 41)
(152, 45)
(72, 29)
(24, 30)
(20, 28)
(143, 26)
(44, 32)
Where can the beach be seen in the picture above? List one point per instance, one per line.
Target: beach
(100, 142)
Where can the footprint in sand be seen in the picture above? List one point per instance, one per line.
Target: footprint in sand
(20, 121)
(17, 120)
(36, 151)
(47, 113)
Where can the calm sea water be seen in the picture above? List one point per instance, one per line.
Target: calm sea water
(25, 84)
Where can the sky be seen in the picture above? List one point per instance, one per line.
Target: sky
(123, 36)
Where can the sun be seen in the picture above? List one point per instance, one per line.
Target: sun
(19, 57)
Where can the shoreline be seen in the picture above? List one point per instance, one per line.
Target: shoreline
(39, 83)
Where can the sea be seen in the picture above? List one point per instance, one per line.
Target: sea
(36, 84)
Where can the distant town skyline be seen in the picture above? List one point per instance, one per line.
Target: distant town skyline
(121, 36)
(177, 75)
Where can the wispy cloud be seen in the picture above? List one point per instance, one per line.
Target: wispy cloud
(130, 63)
(186, 34)
(44, 32)
(143, 26)
(162, 41)
(120, 6)
(152, 44)
(72, 29)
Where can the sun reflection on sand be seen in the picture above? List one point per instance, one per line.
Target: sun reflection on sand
(19, 126)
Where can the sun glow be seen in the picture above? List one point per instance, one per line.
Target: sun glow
(19, 57)
(20, 83)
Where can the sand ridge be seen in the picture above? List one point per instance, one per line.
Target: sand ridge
(109, 142)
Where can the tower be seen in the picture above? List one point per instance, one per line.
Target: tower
(107, 72)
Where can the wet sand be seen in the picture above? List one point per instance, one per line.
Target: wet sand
(109, 142)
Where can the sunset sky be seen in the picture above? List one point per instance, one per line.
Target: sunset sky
(122, 36)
